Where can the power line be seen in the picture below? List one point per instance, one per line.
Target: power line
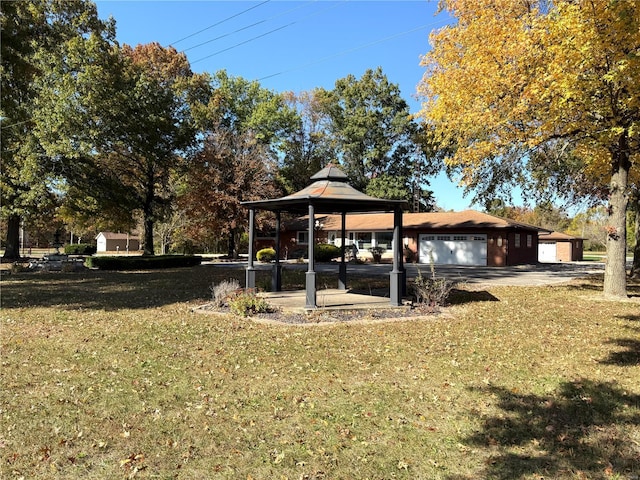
(265, 34)
(242, 43)
(246, 27)
(354, 49)
(220, 22)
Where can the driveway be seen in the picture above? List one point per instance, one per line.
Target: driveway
(525, 275)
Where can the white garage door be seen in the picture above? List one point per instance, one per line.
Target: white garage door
(454, 249)
(547, 252)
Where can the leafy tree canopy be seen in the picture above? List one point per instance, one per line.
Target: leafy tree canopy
(374, 131)
(512, 78)
(49, 51)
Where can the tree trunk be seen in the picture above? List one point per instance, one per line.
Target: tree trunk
(635, 267)
(148, 235)
(615, 274)
(231, 252)
(12, 249)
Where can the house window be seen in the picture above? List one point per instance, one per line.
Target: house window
(529, 241)
(303, 238)
(363, 239)
(516, 240)
(384, 240)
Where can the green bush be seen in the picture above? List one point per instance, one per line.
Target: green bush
(142, 263)
(248, 303)
(266, 255)
(79, 249)
(325, 252)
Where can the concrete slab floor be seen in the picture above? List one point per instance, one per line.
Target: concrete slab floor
(329, 299)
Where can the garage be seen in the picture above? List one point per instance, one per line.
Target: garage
(547, 252)
(453, 249)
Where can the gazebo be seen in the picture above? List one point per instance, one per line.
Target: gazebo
(330, 193)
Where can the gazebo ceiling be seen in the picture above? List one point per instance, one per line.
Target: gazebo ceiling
(329, 193)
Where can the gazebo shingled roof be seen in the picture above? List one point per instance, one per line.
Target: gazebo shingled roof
(330, 192)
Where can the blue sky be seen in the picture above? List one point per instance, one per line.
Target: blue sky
(294, 45)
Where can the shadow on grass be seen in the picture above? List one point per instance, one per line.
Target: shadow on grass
(114, 290)
(583, 431)
(625, 358)
(460, 297)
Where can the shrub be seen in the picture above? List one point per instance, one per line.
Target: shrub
(431, 291)
(224, 291)
(325, 252)
(142, 263)
(266, 255)
(79, 249)
(248, 303)
(376, 253)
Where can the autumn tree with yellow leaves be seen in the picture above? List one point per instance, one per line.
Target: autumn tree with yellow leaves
(513, 78)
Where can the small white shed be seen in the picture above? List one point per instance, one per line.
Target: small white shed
(116, 242)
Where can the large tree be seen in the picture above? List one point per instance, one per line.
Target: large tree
(375, 133)
(231, 168)
(146, 129)
(242, 128)
(50, 52)
(310, 145)
(513, 77)
(239, 105)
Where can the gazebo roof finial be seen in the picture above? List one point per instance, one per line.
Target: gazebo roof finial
(330, 172)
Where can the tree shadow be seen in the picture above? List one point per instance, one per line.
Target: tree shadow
(460, 297)
(582, 431)
(625, 358)
(109, 290)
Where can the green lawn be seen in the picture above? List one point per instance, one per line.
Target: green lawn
(110, 375)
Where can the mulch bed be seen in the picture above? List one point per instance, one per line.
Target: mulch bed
(322, 316)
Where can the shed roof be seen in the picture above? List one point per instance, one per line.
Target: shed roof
(117, 236)
(558, 236)
(329, 193)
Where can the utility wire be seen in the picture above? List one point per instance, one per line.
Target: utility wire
(354, 49)
(242, 43)
(220, 22)
(14, 124)
(245, 28)
(265, 34)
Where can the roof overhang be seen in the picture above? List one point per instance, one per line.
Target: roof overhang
(327, 196)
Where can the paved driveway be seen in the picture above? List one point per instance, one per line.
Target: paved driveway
(525, 275)
(540, 274)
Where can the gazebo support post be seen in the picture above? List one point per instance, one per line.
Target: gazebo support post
(250, 282)
(396, 276)
(276, 273)
(342, 273)
(311, 272)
